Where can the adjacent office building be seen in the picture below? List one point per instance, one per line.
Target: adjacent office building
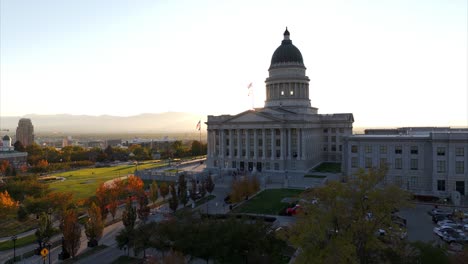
(25, 132)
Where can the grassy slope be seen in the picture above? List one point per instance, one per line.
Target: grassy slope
(267, 202)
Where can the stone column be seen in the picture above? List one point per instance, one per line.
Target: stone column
(289, 143)
(239, 143)
(231, 144)
(304, 140)
(263, 144)
(273, 143)
(221, 143)
(247, 144)
(299, 143)
(283, 143)
(255, 144)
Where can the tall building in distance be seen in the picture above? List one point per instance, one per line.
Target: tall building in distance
(287, 134)
(25, 132)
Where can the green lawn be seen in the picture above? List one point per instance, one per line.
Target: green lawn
(267, 202)
(19, 242)
(328, 167)
(84, 182)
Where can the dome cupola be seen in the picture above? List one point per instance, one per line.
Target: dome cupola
(286, 52)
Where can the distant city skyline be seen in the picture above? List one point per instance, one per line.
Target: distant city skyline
(390, 63)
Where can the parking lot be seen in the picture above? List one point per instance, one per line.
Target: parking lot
(419, 223)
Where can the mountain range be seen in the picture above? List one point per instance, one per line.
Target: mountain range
(143, 123)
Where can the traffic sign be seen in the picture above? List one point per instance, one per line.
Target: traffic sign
(44, 252)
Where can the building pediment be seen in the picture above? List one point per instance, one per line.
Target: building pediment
(252, 116)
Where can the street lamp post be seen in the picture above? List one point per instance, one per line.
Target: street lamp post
(13, 238)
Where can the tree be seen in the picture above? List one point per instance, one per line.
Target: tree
(7, 204)
(129, 215)
(19, 146)
(102, 199)
(45, 230)
(182, 190)
(94, 227)
(71, 231)
(135, 185)
(154, 191)
(4, 164)
(342, 226)
(143, 210)
(196, 148)
(173, 201)
(209, 185)
(193, 189)
(164, 189)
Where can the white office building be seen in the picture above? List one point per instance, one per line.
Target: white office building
(425, 161)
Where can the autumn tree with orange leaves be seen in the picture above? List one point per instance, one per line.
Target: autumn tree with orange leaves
(7, 204)
(134, 185)
(71, 231)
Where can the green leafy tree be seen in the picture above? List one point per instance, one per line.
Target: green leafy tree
(154, 192)
(164, 189)
(129, 216)
(45, 230)
(94, 227)
(143, 209)
(182, 190)
(343, 226)
(173, 201)
(209, 185)
(19, 146)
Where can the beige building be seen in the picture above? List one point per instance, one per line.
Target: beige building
(25, 132)
(287, 134)
(425, 161)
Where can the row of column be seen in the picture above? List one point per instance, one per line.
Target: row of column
(217, 145)
(300, 90)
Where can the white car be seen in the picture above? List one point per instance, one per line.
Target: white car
(445, 222)
(440, 230)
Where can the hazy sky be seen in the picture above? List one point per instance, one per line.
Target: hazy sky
(390, 63)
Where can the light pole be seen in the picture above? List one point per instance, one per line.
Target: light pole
(13, 238)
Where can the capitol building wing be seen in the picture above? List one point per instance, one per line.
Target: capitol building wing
(287, 134)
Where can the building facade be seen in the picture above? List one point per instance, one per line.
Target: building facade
(14, 158)
(287, 134)
(25, 132)
(425, 161)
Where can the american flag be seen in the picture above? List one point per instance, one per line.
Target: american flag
(199, 125)
(250, 89)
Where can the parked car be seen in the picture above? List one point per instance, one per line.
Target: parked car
(440, 230)
(453, 236)
(437, 211)
(437, 218)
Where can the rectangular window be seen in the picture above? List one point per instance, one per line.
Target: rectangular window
(383, 149)
(441, 166)
(277, 132)
(368, 149)
(459, 152)
(413, 182)
(398, 180)
(383, 162)
(354, 149)
(440, 151)
(325, 130)
(278, 153)
(398, 164)
(368, 163)
(260, 142)
(278, 142)
(340, 147)
(333, 138)
(251, 153)
(342, 130)
(325, 139)
(441, 185)
(333, 147)
(234, 164)
(354, 162)
(235, 152)
(276, 166)
(459, 167)
(325, 147)
(414, 150)
(398, 150)
(414, 164)
(267, 166)
(333, 130)
(243, 153)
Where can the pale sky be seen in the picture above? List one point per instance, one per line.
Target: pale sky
(390, 63)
